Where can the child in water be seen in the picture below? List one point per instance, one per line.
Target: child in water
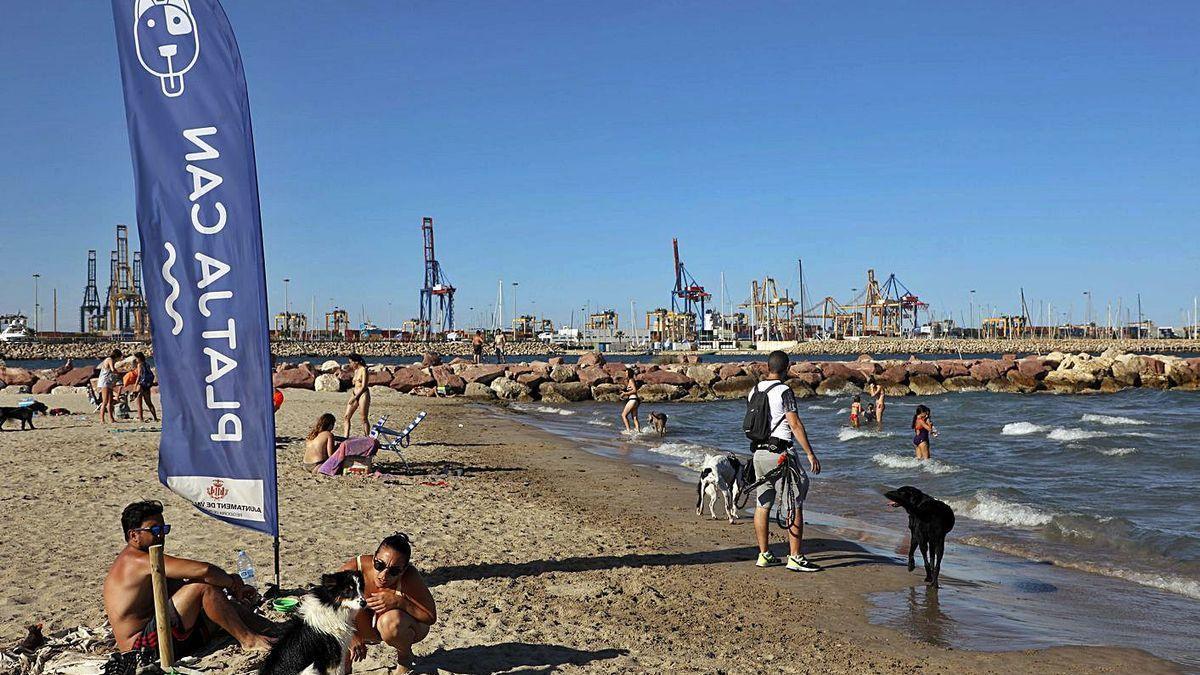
(922, 430)
(856, 411)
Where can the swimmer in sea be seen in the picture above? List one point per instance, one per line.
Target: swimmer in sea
(922, 428)
(856, 411)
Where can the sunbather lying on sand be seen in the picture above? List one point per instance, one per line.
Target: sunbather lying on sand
(197, 605)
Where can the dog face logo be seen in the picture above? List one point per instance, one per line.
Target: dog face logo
(164, 33)
(217, 490)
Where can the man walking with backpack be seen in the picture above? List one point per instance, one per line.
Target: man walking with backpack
(771, 424)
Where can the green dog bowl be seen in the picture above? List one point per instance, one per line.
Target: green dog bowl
(284, 604)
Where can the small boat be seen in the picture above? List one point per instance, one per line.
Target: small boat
(17, 331)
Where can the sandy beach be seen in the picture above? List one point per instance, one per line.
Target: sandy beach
(541, 557)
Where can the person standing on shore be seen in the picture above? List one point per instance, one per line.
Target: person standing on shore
(500, 346)
(922, 430)
(630, 396)
(107, 381)
(477, 346)
(145, 381)
(360, 397)
(875, 390)
(784, 425)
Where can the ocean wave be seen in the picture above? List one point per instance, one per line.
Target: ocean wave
(1021, 429)
(1118, 452)
(908, 462)
(1111, 419)
(990, 508)
(850, 433)
(544, 409)
(690, 454)
(601, 423)
(1064, 434)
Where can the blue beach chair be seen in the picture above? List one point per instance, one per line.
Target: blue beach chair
(390, 439)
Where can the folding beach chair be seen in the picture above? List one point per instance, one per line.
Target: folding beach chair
(390, 439)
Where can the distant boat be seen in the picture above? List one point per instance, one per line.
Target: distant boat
(17, 331)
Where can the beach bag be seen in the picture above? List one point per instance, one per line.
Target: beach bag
(757, 422)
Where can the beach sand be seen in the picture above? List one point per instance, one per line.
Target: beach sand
(541, 557)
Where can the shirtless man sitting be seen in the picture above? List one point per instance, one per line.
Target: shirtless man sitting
(197, 597)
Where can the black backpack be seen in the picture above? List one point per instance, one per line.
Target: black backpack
(757, 423)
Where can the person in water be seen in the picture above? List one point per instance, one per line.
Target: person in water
(630, 411)
(875, 390)
(400, 609)
(922, 429)
(856, 411)
(319, 444)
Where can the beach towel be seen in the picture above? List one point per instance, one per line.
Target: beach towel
(356, 446)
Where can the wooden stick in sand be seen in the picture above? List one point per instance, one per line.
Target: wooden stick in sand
(162, 616)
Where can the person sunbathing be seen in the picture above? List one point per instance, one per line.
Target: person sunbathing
(320, 442)
(197, 603)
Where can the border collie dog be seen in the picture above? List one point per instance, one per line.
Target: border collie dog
(317, 642)
(720, 474)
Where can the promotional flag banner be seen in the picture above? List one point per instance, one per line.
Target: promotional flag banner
(201, 235)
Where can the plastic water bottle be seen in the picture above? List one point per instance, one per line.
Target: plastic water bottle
(245, 568)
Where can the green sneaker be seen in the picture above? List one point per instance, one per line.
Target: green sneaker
(801, 564)
(768, 560)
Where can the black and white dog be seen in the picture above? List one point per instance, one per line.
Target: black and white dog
(318, 641)
(24, 414)
(721, 474)
(929, 521)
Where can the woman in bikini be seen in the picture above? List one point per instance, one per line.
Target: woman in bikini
(107, 381)
(856, 411)
(400, 608)
(922, 428)
(320, 442)
(360, 396)
(630, 411)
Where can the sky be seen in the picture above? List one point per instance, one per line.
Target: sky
(986, 146)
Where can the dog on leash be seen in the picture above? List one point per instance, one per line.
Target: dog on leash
(929, 521)
(659, 422)
(318, 641)
(22, 413)
(720, 474)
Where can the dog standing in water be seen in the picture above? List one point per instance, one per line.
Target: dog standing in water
(721, 474)
(318, 642)
(929, 521)
(659, 422)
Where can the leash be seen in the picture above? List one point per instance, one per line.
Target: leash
(787, 474)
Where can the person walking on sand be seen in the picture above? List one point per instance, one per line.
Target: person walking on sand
(785, 425)
(145, 380)
(875, 390)
(197, 604)
(922, 430)
(499, 346)
(400, 609)
(107, 382)
(360, 396)
(477, 346)
(632, 401)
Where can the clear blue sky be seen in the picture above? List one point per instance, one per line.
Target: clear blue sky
(984, 145)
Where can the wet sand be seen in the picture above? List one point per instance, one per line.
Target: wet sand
(540, 556)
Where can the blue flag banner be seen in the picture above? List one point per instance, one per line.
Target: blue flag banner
(201, 234)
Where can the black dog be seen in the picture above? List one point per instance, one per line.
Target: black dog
(23, 413)
(929, 520)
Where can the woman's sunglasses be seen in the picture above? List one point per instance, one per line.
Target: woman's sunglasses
(389, 570)
(156, 530)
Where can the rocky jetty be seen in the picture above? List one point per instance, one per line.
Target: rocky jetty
(599, 379)
(284, 348)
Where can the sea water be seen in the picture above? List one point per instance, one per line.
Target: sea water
(1096, 497)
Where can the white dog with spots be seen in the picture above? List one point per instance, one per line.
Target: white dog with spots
(720, 474)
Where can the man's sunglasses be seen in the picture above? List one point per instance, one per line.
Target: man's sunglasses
(156, 530)
(384, 568)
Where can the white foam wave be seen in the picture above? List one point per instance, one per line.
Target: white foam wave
(689, 454)
(1166, 582)
(601, 423)
(1063, 434)
(544, 409)
(1118, 452)
(850, 433)
(1111, 419)
(989, 508)
(907, 462)
(1021, 429)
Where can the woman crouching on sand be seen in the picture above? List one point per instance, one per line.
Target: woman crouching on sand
(319, 444)
(922, 428)
(400, 608)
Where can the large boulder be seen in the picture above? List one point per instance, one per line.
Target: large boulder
(556, 360)
(1004, 386)
(837, 386)
(511, 390)
(1111, 385)
(329, 366)
(962, 383)
(479, 391)
(702, 375)
(1178, 370)
(607, 392)
(294, 378)
(483, 374)
(1024, 382)
(444, 376)
(43, 386)
(532, 379)
(590, 359)
(617, 371)
(76, 377)
(592, 376)
(896, 390)
(915, 367)
(1085, 363)
(563, 373)
(734, 387)
(810, 378)
(430, 359)
(831, 369)
(667, 377)
(990, 369)
(730, 370)
(661, 392)
(564, 392)
(804, 367)
(896, 374)
(949, 368)
(925, 385)
(1069, 381)
(800, 388)
(379, 376)
(1053, 359)
(758, 369)
(18, 377)
(409, 378)
(327, 382)
(1032, 367)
